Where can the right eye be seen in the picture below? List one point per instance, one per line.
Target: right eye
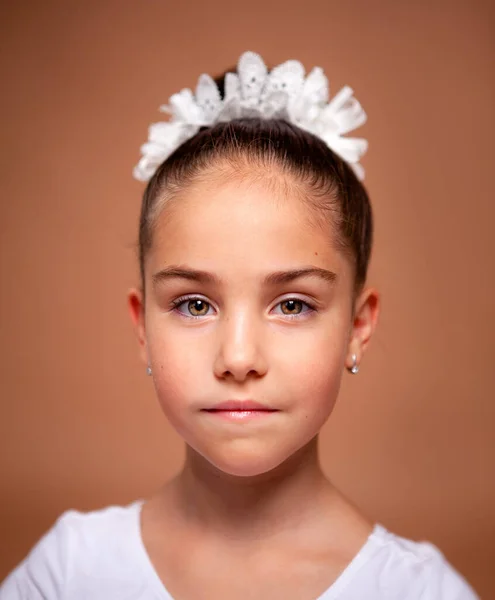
(195, 306)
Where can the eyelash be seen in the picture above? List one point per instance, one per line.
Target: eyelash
(177, 302)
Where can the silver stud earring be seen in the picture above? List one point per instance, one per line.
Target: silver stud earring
(354, 369)
(148, 370)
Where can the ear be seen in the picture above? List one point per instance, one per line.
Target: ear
(136, 310)
(366, 313)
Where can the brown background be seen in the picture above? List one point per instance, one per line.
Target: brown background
(412, 438)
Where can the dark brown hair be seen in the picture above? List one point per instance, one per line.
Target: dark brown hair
(267, 147)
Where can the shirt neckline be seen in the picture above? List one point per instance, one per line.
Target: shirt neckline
(331, 593)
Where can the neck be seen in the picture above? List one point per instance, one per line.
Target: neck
(260, 505)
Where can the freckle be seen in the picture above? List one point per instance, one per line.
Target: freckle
(316, 253)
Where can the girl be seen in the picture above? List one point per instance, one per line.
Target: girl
(254, 242)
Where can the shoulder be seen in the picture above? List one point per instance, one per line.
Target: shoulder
(414, 569)
(72, 547)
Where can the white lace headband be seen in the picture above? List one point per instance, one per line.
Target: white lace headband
(283, 93)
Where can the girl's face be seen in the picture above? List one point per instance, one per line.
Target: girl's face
(246, 300)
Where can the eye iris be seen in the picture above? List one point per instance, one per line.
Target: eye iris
(291, 305)
(198, 305)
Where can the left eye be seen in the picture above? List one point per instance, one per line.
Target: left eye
(293, 307)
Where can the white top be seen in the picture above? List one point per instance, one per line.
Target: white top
(100, 555)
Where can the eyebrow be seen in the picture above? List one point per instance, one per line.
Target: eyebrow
(272, 279)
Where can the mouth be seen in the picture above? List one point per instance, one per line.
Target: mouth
(240, 410)
(240, 414)
(242, 405)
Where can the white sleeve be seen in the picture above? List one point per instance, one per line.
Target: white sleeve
(41, 575)
(446, 583)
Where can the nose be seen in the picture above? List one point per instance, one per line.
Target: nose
(241, 350)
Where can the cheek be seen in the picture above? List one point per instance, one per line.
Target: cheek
(316, 377)
(174, 387)
(312, 368)
(180, 367)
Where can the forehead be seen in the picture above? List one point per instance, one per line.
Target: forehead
(242, 225)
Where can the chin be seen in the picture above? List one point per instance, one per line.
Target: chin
(248, 463)
(244, 469)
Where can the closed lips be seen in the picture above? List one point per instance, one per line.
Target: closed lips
(240, 409)
(240, 405)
